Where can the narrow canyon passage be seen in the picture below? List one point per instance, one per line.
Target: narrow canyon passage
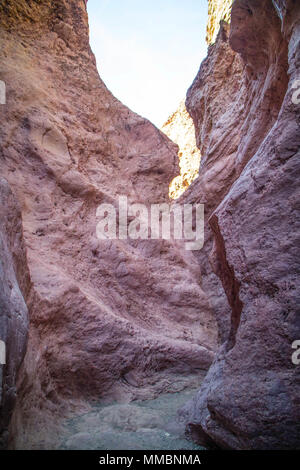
(120, 320)
(132, 343)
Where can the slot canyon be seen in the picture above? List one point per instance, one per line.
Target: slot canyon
(133, 342)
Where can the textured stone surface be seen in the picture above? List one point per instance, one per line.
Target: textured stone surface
(210, 102)
(218, 10)
(233, 105)
(250, 397)
(123, 320)
(113, 319)
(13, 310)
(180, 129)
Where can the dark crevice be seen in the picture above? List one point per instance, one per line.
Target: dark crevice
(230, 284)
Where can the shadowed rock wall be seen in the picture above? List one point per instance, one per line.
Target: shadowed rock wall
(13, 310)
(250, 397)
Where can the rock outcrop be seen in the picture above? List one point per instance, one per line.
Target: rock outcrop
(233, 105)
(14, 314)
(115, 320)
(180, 129)
(250, 127)
(218, 10)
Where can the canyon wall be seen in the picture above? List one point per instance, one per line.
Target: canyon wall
(218, 10)
(247, 125)
(128, 319)
(109, 319)
(13, 309)
(180, 129)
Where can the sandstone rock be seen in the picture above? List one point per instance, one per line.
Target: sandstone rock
(124, 320)
(180, 129)
(233, 105)
(249, 399)
(104, 320)
(218, 10)
(232, 116)
(210, 102)
(13, 310)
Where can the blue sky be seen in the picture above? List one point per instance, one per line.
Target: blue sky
(148, 51)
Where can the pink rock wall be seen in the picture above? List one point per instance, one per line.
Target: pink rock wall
(125, 320)
(13, 309)
(115, 320)
(249, 399)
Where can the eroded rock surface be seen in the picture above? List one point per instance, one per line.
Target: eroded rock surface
(13, 310)
(115, 319)
(233, 105)
(250, 397)
(180, 129)
(218, 10)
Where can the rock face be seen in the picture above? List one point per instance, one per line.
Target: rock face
(14, 315)
(108, 319)
(180, 129)
(250, 397)
(233, 105)
(218, 10)
(119, 320)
